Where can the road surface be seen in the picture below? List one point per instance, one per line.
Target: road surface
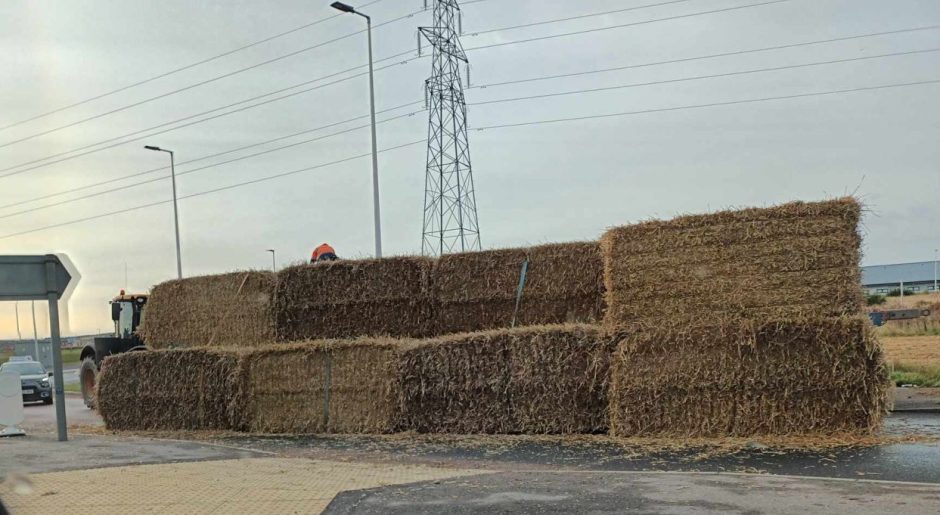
(41, 417)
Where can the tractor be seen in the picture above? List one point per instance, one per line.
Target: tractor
(126, 312)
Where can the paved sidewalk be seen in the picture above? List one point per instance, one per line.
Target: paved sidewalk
(256, 485)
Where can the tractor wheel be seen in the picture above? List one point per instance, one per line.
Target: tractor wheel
(88, 376)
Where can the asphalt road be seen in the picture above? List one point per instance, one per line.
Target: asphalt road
(898, 462)
(538, 476)
(41, 417)
(639, 492)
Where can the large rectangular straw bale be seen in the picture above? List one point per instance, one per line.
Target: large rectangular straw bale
(343, 299)
(550, 379)
(225, 310)
(186, 389)
(326, 386)
(558, 379)
(477, 291)
(795, 260)
(746, 378)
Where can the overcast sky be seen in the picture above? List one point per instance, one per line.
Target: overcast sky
(536, 183)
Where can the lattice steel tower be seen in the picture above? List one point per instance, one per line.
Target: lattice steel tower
(450, 207)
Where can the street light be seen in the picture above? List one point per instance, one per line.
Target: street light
(273, 260)
(375, 153)
(176, 218)
(935, 251)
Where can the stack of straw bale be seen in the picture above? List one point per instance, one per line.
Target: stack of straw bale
(745, 378)
(550, 379)
(338, 386)
(477, 291)
(187, 389)
(343, 299)
(741, 323)
(795, 260)
(219, 310)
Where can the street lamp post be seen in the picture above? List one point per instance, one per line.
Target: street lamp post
(176, 217)
(935, 290)
(375, 153)
(273, 260)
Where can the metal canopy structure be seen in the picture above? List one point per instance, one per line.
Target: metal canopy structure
(42, 278)
(450, 209)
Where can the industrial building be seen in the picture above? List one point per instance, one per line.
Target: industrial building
(915, 277)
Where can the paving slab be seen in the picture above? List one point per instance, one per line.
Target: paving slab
(256, 485)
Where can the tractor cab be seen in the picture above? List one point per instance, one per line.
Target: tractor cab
(126, 310)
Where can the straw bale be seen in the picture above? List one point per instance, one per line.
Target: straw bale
(187, 389)
(477, 291)
(746, 378)
(341, 299)
(794, 260)
(550, 379)
(326, 386)
(559, 379)
(225, 310)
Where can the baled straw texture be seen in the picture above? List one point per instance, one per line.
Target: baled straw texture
(343, 299)
(477, 291)
(750, 378)
(327, 386)
(550, 379)
(225, 310)
(187, 389)
(795, 260)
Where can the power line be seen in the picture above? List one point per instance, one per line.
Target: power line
(194, 170)
(701, 77)
(709, 56)
(180, 69)
(266, 102)
(345, 71)
(702, 106)
(197, 84)
(500, 126)
(519, 81)
(202, 158)
(285, 56)
(496, 101)
(633, 24)
(208, 192)
(572, 18)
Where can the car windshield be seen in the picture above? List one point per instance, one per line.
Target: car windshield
(27, 368)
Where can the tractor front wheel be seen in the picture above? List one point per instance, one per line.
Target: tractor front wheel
(88, 376)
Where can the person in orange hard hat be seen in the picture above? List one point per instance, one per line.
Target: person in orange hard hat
(323, 253)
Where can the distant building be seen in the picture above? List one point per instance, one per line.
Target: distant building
(916, 277)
